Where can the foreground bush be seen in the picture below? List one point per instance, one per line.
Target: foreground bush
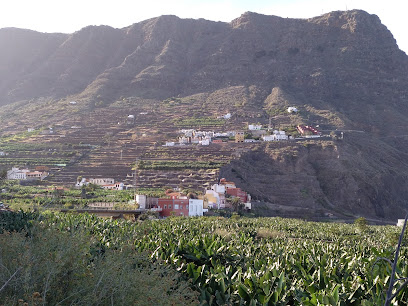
(60, 268)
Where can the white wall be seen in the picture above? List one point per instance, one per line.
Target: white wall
(195, 207)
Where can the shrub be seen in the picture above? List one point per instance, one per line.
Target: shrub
(361, 224)
(54, 267)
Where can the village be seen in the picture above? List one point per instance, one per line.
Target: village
(209, 194)
(253, 133)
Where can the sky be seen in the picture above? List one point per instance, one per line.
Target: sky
(70, 16)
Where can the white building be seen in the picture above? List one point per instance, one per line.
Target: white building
(183, 140)
(205, 142)
(169, 144)
(276, 136)
(292, 109)
(17, 174)
(254, 127)
(102, 181)
(195, 207)
(141, 199)
(116, 186)
(281, 135)
(268, 138)
(25, 174)
(83, 182)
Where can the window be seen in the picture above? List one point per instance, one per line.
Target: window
(165, 206)
(176, 206)
(181, 206)
(186, 206)
(169, 206)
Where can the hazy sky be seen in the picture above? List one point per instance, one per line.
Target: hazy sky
(70, 16)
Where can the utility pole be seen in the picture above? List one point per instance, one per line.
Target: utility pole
(135, 178)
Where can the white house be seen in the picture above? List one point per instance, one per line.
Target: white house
(254, 127)
(116, 186)
(17, 174)
(169, 144)
(292, 109)
(268, 137)
(2, 153)
(281, 136)
(102, 181)
(36, 175)
(195, 207)
(25, 174)
(141, 199)
(183, 140)
(205, 142)
(276, 136)
(73, 102)
(83, 182)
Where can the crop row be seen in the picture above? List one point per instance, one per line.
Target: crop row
(179, 164)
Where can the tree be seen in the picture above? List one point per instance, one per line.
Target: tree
(236, 203)
(3, 175)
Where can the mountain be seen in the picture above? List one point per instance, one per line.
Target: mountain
(343, 70)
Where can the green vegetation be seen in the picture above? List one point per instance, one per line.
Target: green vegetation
(264, 261)
(72, 267)
(179, 164)
(20, 136)
(199, 122)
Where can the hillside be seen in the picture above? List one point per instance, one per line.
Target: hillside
(342, 70)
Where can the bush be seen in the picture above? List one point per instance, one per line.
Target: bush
(361, 224)
(58, 268)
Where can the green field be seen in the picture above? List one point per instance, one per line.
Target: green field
(241, 261)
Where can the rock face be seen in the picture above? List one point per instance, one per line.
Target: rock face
(357, 175)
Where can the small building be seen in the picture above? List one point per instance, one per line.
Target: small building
(173, 207)
(239, 193)
(250, 140)
(146, 202)
(169, 144)
(102, 181)
(400, 222)
(307, 130)
(268, 137)
(254, 127)
(183, 140)
(239, 136)
(292, 109)
(195, 207)
(115, 186)
(73, 102)
(17, 174)
(205, 142)
(25, 174)
(36, 175)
